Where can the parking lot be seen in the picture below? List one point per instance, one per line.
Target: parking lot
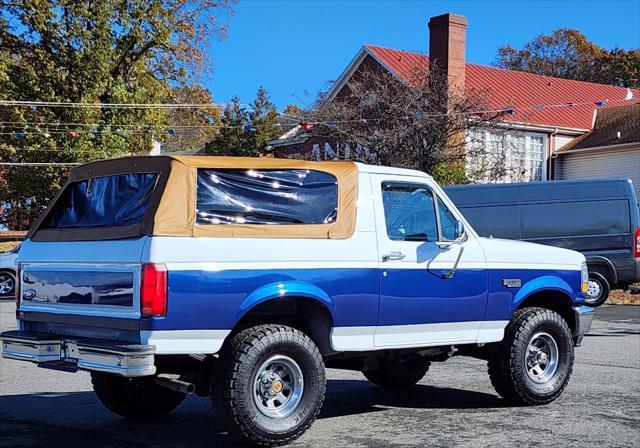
(454, 405)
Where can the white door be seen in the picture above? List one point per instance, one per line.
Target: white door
(432, 291)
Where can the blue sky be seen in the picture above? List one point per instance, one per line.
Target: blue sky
(299, 45)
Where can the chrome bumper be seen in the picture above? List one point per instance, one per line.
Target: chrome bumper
(103, 356)
(584, 318)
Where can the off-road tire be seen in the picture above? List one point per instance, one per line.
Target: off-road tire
(605, 289)
(135, 398)
(507, 365)
(233, 384)
(398, 373)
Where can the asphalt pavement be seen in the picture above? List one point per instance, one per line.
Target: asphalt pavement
(453, 406)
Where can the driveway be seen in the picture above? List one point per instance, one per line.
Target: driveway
(454, 405)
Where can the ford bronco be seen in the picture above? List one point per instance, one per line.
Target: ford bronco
(242, 279)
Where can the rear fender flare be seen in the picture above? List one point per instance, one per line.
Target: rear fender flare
(276, 290)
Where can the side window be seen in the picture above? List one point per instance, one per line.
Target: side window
(409, 212)
(447, 222)
(266, 197)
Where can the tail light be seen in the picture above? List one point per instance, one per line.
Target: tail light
(636, 252)
(153, 291)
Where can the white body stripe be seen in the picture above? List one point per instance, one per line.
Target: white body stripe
(343, 338)
(173, 342)
(411, 336)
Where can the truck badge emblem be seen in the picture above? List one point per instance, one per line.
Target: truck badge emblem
(29, 294)
(511, 282)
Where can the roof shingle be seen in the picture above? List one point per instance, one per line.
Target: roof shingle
(623, 119)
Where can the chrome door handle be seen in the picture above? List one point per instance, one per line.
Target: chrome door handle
(393, 256)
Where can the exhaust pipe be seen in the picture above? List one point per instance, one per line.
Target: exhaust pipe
(173, 382)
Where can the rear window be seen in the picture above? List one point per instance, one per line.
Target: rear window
(270, 197)
(108, 201)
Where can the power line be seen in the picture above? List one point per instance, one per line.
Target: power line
(78, 105)
(61, 164)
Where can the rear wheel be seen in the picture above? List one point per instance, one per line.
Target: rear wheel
(134, 398)
(597, 289)
(533, 363)
(398, 373)
(7, 284)
(269, 384)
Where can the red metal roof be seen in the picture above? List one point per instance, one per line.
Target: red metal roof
(520, 90)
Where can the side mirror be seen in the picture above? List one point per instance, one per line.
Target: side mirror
(459, 231)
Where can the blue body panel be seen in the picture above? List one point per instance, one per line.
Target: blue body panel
(214, 299)
(503, 301)
(219, 299)
(420, 296)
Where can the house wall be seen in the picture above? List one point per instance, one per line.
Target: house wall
(600, 163)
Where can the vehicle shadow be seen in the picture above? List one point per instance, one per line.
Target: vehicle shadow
(347, 397)
(78, 419)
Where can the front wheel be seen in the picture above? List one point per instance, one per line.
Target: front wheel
(135, 398)
(533, 363)
(598, 289)
(269, 384)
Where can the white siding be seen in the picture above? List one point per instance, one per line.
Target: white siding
(561, 140)
(588, 164)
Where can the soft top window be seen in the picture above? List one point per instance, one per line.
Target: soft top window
(271, 197)
(107, 201)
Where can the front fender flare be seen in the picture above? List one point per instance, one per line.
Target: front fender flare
(539, 284)
(284, 289)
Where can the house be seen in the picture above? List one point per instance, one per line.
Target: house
(548, 114)
(611, 149)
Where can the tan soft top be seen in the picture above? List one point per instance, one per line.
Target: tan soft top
(172, 209)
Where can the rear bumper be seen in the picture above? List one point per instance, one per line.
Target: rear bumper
(583, 318)
(47, 350)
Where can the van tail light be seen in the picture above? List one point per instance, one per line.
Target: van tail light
(153, 291)
(636, 252)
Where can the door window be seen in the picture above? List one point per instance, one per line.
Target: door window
(448, 222)
(409, 212)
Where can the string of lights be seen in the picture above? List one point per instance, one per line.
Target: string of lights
(63, 127)
(20, 129)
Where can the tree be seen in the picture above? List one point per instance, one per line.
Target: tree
(567, 53)
(246, 132)
(99, 52)
(418, 122)
(233, 137)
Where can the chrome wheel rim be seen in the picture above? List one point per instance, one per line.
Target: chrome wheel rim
(7, 283)
(541, 357)
(594, 290)
(278, 386)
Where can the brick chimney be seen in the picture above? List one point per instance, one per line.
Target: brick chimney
(447, 42)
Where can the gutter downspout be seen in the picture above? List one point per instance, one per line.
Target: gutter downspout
(551, 175)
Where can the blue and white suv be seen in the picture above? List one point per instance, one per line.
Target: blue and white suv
(241, 279)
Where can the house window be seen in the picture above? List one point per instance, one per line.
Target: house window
(495, 156)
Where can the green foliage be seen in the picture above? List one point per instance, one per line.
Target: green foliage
(567, 53)
(246, 132)
(450, 173)
(106, 51)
